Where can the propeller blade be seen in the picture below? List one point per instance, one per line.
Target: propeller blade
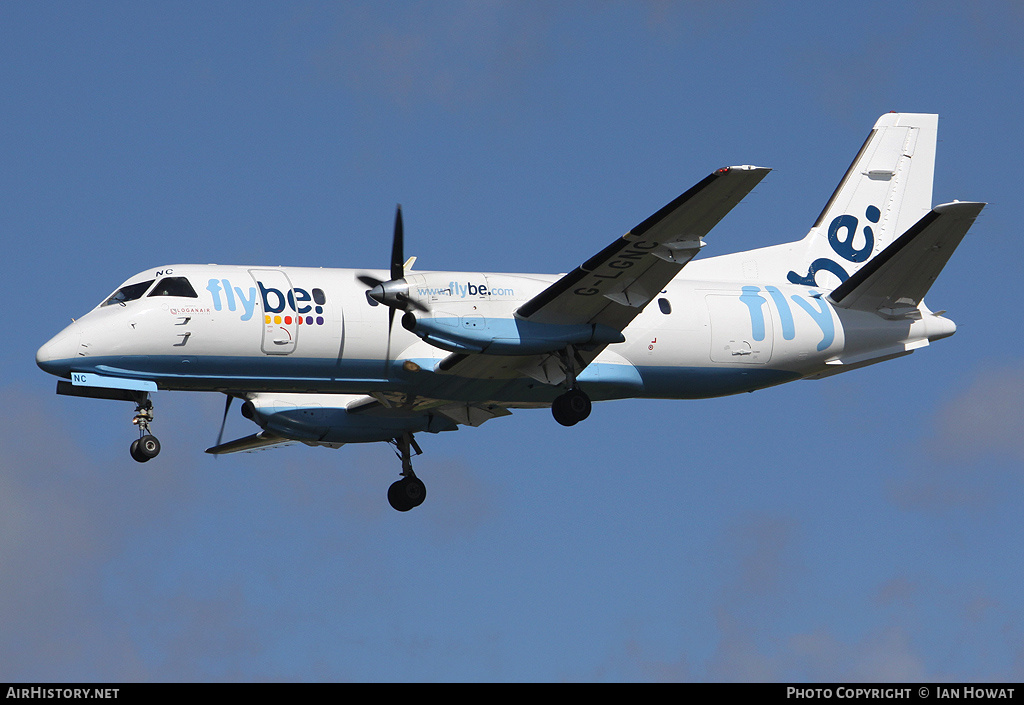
(393, 293)
(397, 247)
(224, 420)
(387, 351)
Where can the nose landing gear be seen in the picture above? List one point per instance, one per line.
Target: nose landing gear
(146, 447)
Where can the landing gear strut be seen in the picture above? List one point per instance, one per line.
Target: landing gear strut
(147, 446)
(410, 491)
(573, 406)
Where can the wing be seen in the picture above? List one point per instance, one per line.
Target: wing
(393, 404)
(394, 411)
(263, 439)
(613, 286)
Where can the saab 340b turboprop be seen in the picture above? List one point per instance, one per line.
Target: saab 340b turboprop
(316, 356)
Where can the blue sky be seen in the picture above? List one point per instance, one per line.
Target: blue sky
(864, 527)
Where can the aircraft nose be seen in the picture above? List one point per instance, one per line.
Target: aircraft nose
(57, 354)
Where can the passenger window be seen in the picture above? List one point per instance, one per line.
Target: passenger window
(174, 286)
(128, 293)
(318, 297)
(665, 306)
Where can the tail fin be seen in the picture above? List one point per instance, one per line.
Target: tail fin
(886, 190)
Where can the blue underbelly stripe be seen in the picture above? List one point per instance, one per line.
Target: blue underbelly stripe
(600, 380)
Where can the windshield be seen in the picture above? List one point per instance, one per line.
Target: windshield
(128, 293)
(174, 286)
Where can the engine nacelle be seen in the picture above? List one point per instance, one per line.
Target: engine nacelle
(326, 418)
(474, 333)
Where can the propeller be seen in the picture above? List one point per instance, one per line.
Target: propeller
(393, 293)
(224, 420)
(398, 246)
(397, 263)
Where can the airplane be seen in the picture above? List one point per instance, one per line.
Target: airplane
(315, 355)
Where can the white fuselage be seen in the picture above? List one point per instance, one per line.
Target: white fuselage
(312, 330)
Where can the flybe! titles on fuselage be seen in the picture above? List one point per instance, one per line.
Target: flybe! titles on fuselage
(296, 299)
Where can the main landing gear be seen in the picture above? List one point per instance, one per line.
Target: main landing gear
(147, 446)
(573, 406)
(410, 491)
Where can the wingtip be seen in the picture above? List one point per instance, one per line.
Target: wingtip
(974, 207)
(743, 167)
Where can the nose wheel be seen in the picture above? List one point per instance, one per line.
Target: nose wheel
(409, 491)
(146, 447)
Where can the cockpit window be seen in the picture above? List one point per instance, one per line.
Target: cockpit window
(174, 286)
(128, 293)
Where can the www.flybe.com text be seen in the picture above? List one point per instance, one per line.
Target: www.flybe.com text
(464, 290)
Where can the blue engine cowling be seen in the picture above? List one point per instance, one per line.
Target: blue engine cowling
(505, 336)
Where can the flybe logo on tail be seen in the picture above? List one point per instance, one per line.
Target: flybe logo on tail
(278, 306)
(842, 236)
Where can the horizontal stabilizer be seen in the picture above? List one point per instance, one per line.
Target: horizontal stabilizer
(895, 281)
(263, 439)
